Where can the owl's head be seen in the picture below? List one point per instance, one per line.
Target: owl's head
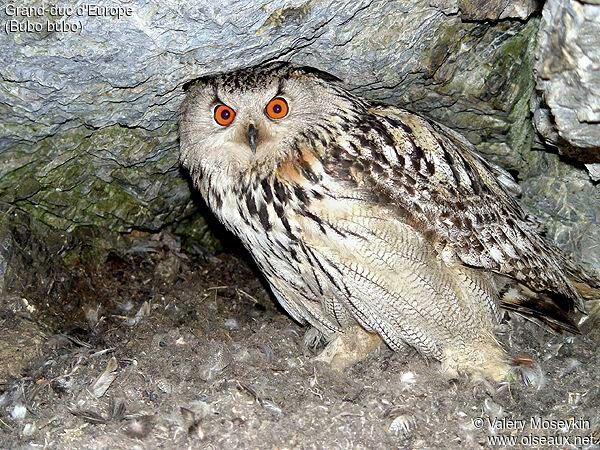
(238, 121)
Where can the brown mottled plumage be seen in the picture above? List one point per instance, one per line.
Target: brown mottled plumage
(369, 217)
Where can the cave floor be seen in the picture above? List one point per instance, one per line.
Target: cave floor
(164, 351)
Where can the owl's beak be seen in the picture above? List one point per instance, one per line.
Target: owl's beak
(252, 135)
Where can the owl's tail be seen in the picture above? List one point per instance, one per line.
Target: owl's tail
(554, 309)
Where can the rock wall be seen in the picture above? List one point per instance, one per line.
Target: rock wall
(89, 130)
(566, 114)
(567, 73)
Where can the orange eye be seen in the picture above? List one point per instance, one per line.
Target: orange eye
(224, 115)
(277, 108)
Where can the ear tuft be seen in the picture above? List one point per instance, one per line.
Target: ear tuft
(318, 73)
(200, 80)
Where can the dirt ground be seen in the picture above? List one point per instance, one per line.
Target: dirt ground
(160, 350)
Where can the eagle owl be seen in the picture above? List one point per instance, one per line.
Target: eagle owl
(368, 221)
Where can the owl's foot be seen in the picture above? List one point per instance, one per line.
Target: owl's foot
(487, 362)
(349, 347)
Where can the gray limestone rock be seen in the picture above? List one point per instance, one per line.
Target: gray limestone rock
(497, 9)
(567, 203)
(566, 114)
(567, 73)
